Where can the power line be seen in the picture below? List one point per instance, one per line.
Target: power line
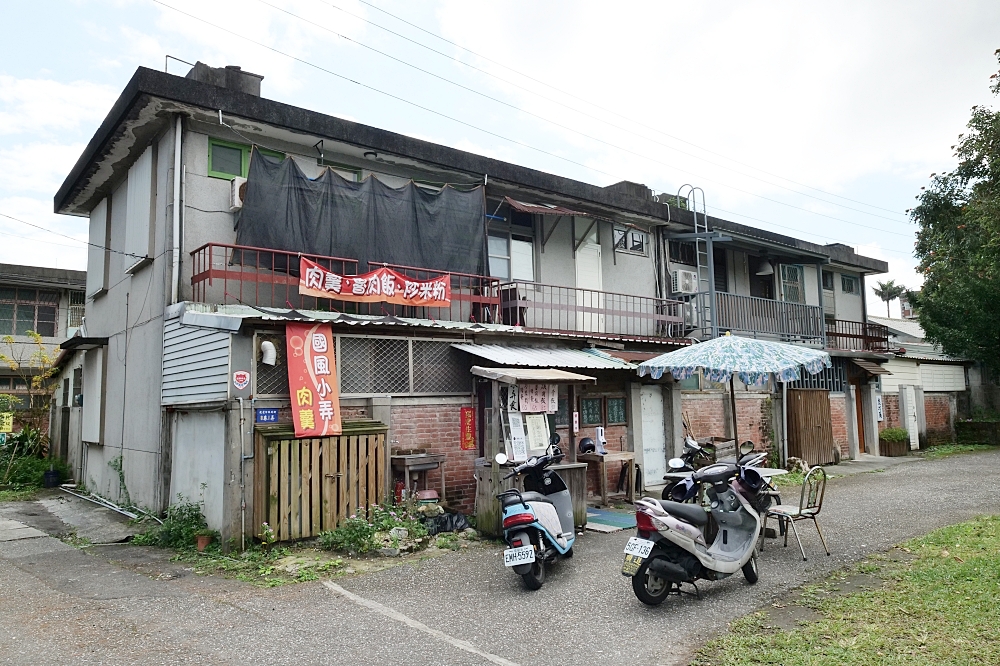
(584, 134)
(480, 129)
(102, 247)
(598, 106)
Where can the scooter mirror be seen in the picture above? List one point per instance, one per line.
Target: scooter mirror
(501, 458)
(746, 447)
(675, 463)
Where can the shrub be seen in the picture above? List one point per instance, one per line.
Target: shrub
(362, 535)
(354, 534)
(894, 435)
(29, 470)
(184, 519)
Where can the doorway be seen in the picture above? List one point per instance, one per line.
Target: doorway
(810, 429)
(589, 277)
(654, 441)
(859, 410)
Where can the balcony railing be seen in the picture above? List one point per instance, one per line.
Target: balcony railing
(857, 336)
(597, 313)
(763, 317)
(230, 274)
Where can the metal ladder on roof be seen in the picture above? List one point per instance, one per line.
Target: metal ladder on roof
(703, 258)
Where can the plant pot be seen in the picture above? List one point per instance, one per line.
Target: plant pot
(893, 449)
(201, 541)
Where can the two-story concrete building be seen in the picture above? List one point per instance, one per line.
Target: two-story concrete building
(202, 198)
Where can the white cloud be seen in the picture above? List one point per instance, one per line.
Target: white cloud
(47, 107)
(36, 167)
(28, 245)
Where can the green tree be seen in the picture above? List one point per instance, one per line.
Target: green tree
(35, 365)
(889, 291)
(958, 244)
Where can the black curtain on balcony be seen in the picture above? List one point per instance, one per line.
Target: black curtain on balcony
(369, 221)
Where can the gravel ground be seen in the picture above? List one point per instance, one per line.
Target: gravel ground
(59, 604)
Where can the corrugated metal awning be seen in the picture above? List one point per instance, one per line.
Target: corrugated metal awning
(546, 357)
(869, 367)
(543, 209)
(547, 375)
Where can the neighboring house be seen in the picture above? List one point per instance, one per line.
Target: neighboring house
(193, 290)
(48, 301)
(927, 389)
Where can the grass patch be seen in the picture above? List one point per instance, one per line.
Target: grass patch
(939, 608)
(945, 450)
(263, 567)
(19, 493)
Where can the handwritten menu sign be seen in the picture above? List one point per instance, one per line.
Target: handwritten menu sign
(538, 433)
(538, 398)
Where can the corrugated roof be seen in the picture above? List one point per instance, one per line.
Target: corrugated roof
(543, 209)
(909, 327)
(546, 357)
(515, 375)
(872, 368)
(924, 351)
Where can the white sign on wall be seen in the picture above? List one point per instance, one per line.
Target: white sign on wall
(878, 407)
(518, 442)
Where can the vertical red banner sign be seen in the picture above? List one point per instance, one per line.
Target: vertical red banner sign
(468, 429)
(312, 379)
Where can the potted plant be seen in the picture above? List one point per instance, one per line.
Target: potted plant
(203, 538)
(894, 442)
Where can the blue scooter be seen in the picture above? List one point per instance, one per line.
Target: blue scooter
(538, 521)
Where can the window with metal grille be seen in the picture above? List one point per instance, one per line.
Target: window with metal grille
(272, 379)
(849, 284)
(792, 283)
(438, 368)
(77, 300)
(374, 365)
(832, 379)
(23, 310)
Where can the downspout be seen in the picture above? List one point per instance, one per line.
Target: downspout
(176, 250)
(243, 491)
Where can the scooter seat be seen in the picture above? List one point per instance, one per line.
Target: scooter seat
(687, 512)
(527, 496)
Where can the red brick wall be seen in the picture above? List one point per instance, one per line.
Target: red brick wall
(937, 413)
(706, 416)
(890, 410)
(838, 419)
(436, 429)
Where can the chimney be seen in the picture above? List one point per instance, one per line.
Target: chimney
(230, 76)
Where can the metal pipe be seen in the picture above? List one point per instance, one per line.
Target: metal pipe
(176, 254)
(243, 493)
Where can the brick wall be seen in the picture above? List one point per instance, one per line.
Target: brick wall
(436, 429)
(938, 415)
(890, 410)
(838, 419)
(706, 415)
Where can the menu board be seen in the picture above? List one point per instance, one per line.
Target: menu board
(538, 433)
(591, 411)
(518, 443)
(538, 398)
(616, 410)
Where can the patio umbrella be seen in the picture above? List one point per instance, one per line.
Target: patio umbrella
(753, 361)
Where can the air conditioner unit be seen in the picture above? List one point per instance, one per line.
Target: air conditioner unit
(238, 189)
(684, 282)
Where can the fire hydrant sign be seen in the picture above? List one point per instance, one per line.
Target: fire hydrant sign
(381, 285)
(312, 379)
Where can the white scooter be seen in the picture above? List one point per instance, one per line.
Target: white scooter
(670, 547)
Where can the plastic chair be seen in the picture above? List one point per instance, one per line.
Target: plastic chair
(810, 504)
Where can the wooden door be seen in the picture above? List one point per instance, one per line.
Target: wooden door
(810, 431)
(859, 420)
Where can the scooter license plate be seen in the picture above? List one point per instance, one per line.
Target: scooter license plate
(515, 556)
(631, 565)
(641, 548)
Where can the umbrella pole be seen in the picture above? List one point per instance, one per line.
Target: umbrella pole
(732, 400)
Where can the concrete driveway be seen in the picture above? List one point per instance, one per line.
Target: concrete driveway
(59, 604)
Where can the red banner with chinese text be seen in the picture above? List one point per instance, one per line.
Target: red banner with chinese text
(468, 419)
(380, 285)
(312, 379)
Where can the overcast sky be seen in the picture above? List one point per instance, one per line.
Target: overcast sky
(820, 120)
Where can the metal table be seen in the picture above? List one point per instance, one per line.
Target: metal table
(419, 462)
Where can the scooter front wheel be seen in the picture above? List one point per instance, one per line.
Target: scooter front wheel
(533, 579)
(649, 588)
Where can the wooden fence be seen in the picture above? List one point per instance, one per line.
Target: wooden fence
(306, 486)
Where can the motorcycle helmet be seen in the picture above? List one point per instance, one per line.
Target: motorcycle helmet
(587, 445)
(684, 490)
(750, 479)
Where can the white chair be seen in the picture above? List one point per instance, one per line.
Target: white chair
(810, 504)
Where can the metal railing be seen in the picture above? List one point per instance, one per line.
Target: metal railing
(787, 322)
(598, 313)
(229, 274)
(857, 336)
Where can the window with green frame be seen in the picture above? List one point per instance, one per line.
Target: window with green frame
(229, 160)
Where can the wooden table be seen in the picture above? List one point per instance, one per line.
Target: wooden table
(419, 462)
(602, 467)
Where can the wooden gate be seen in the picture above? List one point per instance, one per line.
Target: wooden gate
(306, 486)
(810, 430)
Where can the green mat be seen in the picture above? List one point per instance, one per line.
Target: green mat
(610, 520)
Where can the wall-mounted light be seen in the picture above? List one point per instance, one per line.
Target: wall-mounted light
(765, 268)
